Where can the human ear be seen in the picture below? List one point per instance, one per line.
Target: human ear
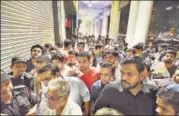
(142, 76)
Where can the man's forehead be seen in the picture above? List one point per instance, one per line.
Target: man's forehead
(169, 54)
(45, 73)
(128, 66)
(52, 91)
(82, 58)
(20, 63)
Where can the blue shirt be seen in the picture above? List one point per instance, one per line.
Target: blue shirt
(96, 89)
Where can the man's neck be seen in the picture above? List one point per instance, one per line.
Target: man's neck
(59, 111)
(168, 65)
(87, 70)
(33, 60)
(136, 90)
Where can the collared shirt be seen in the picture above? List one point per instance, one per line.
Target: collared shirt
(19, 105)
(114, 96)
(71, 108)
(79, 91)
(96, 89)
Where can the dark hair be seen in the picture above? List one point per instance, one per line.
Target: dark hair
(67, 43)
(50, 67)
(43, 58)
(139, 46)
(73, 52)
(84, 54)
(170, 52)
(98, 46)
(140, 65)
(53, 48)
(59, 57)
(59, 44)
(108, 65)
(112, 52)
(47, 45)
(37, 46)
(170, 94)
(82, 43)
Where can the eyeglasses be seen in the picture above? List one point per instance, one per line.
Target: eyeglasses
(52, 99)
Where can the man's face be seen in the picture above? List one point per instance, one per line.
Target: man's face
(18, 69)
(58, 63)
(164, 108)
(84, 63)
(130, 76)
(36, 52)
(168, 58)
(45, 77)
(53, 52)
(6, 91)
(80, 47)
(105, 75)
(40, 65)
(129, 54)
(109, 58)
(72, 58)
(54, 100)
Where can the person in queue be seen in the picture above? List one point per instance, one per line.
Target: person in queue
(13, 102)
(130, 92)
(36, 51)
(167, 100)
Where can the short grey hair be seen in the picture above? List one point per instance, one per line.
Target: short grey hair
(62, 86)
(107, 111)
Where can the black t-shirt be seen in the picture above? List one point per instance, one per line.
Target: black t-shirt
(26, 79)
(30, 66)
(19, 105)
(114, 96)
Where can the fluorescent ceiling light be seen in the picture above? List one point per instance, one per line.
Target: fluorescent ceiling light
(169, 8)
(89, 4)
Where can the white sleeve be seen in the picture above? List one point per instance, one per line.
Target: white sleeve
(84, 92)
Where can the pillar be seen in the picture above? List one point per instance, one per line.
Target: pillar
(114, 20)
(143, 21)
(61, 15)
(104, 26)
(134, 5)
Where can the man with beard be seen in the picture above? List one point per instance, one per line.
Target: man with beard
(131, 96)
(168, 59)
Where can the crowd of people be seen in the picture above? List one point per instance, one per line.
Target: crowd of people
(92, 77)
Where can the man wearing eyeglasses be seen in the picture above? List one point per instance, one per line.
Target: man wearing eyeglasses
(58, 99)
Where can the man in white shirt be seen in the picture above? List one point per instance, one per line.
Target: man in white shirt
(79, 91)
(58, 99)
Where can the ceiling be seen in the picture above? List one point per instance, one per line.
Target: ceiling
(87, 12)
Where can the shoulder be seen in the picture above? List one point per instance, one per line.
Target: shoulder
(112, 87)
(149, 88)
(28, 75)
(96, 84)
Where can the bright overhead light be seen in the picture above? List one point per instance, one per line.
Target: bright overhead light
(89, 4)
(169, 8)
